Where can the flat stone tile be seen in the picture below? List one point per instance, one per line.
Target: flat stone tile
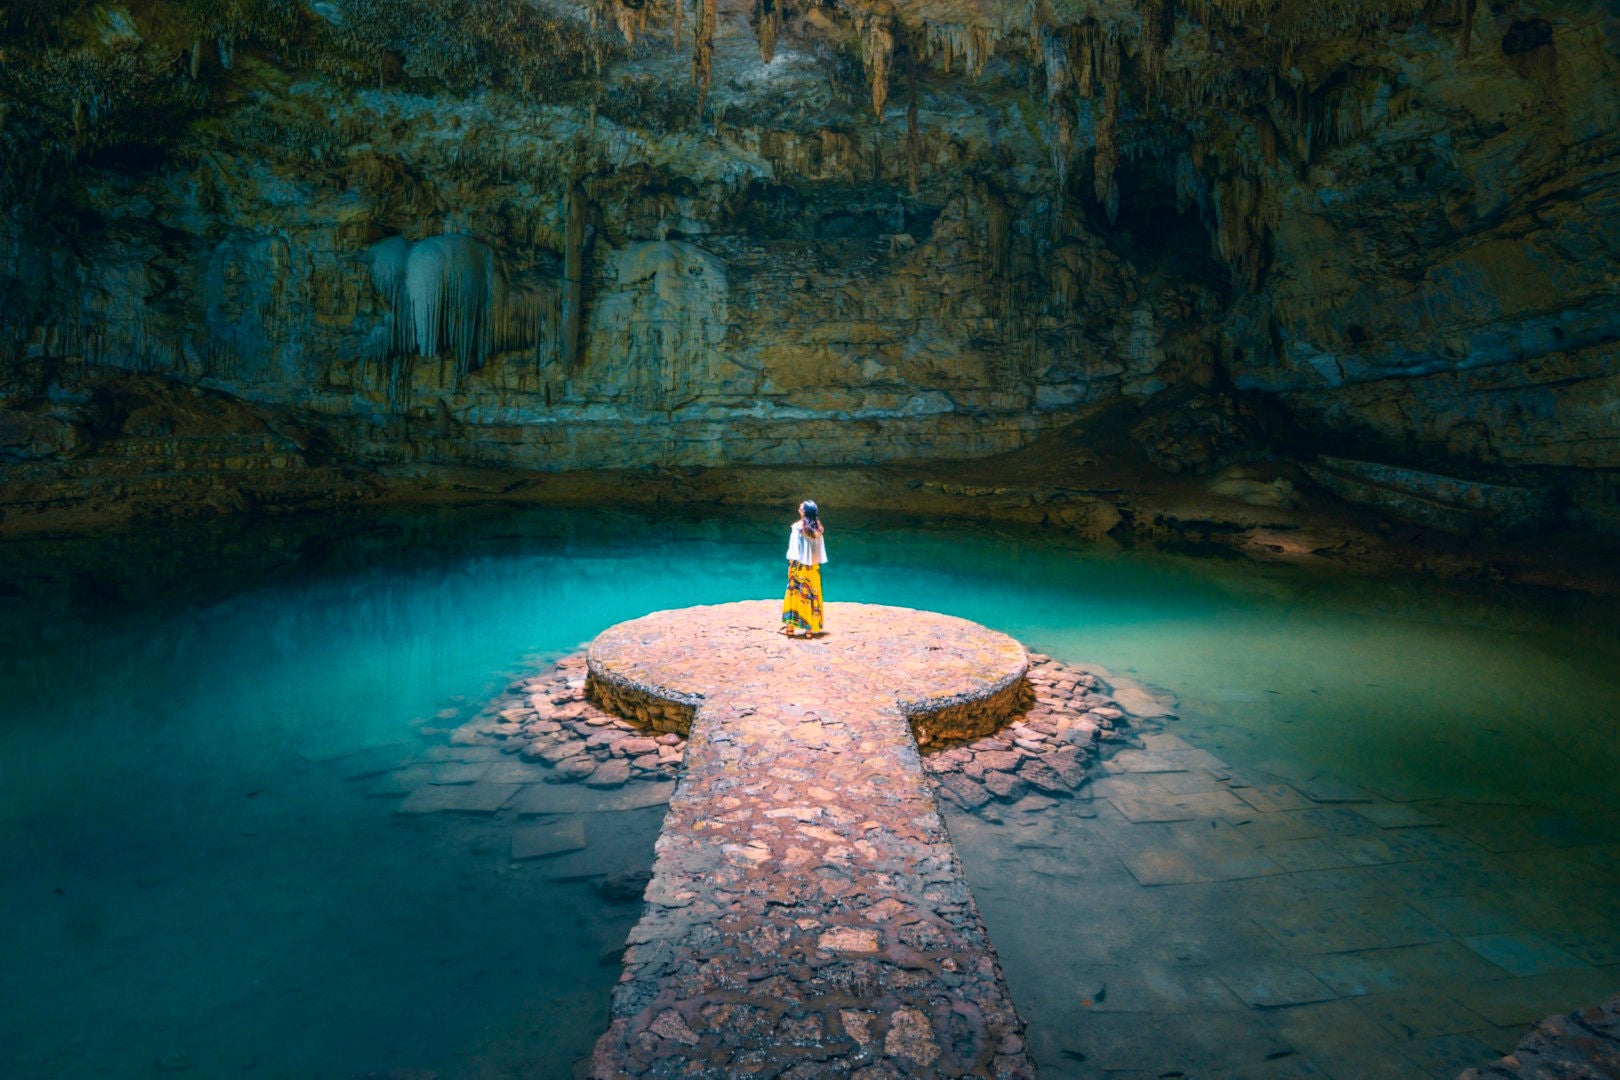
(1118, 1044)
(1318, 929)
(1191, 782)
(1442, 963)
(1141, 810)
(1139, 701)
(1163, 740)
(1291, 1065)
(579, 799)
(1597, 946)
(1439, 843)
(402, 781)
(1264, 828)
(458, 798)
(1466, 916)
(1310, 854)
(1273, 798)
(1337, 821)
(1330, 789)
(374, 761)
(1439, 877)
(1368, 850)
(1162, 866)
(1342, 884)
(1160, 988)
(351, 749)
(1273, 770)
(458, 772)
(1511, 1002)
(1397, 788)
(1306, 930)
(1213, 804)
(1356, 974)
(1273, 985)
(1197, 851)
(1423, 1015)
(465, 754)
(1348, 1042)
(1508, 829)
(1144, 761)
(1166, 808)
(1126, 786)
(510, 771)
(1448, 1055)
(539, 841)
(1388, 815)
(1522, 954)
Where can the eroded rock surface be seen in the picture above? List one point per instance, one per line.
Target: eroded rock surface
(727, 233)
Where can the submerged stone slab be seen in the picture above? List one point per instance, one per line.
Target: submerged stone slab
(807, 913)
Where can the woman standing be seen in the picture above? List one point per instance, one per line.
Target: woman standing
(801, 607)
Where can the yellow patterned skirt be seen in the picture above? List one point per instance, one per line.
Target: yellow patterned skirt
(801, 607)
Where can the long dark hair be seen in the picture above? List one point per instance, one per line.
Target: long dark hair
(812, 517)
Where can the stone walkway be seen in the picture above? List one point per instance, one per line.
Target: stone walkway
(807, 915)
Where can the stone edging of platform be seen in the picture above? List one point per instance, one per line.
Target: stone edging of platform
(1049, 750)
(549, 720)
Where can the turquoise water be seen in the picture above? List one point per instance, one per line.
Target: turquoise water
(195, 874)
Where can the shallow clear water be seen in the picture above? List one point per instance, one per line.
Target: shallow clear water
(196, 875)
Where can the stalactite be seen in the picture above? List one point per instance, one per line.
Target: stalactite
(1267, 133)
(680, 17)
(1085, 78)
(913, 135)
(998, 222)
(1055, 58)
(1059, 73)
(448, 294)
(974, 44)
(877, 52)
(1105, 126)
(576, 211)
(1062, 145)
(1157, 24)
(768, 22)
(1468, 26)
(703, 51)
(1240, 227)
(1189, 184)
(444, 293)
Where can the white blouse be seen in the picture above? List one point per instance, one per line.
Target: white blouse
(812, 551)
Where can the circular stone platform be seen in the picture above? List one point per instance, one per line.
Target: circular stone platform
(950, 678)
(807, 914)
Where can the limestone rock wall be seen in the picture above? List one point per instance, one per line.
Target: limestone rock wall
(899, 231)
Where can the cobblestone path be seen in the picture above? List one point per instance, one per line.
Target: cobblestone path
(807, 915)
